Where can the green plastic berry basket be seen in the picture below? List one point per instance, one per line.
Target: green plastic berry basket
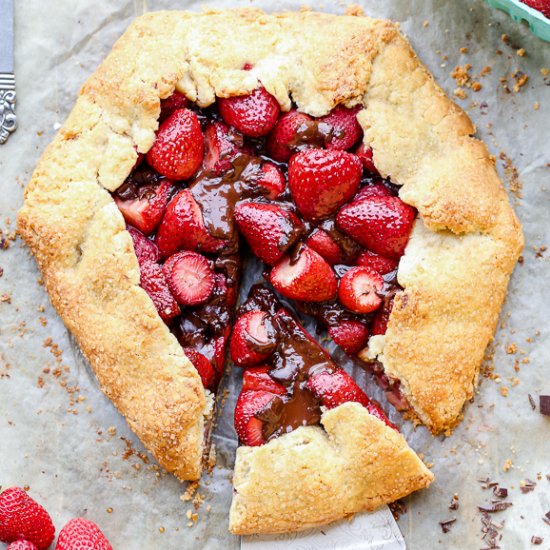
(539, 25)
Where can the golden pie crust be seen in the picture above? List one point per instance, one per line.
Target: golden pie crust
(455, 270)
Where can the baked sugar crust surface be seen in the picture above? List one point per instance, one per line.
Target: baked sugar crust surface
(454, 272)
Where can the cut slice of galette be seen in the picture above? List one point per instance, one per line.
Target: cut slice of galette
(321, 145)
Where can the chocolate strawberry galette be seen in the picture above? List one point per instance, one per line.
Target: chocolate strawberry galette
(322, 146)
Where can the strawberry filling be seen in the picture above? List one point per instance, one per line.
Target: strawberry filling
(303, 195)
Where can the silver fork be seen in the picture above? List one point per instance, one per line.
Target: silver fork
(8, 120)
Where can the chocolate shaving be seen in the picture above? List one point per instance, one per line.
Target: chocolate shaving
(536, 540)
(528, 486)
(500, 492)
(487, 483)
(497, 507)
(446, 525)
(532, 401)
(546, 518)
(544, 404)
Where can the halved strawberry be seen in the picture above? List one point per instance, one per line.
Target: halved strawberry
(257, 378)
(381, 224)
(204, 367)
(172, 103)
(269, 229)
(253, 114)
(145, 211)
(345, 130)
(291, 133)
(251, 342)
(182, 227)
(309, 278)
(364, 152)
(359, 288)
(379, 263)
(249, 404)
(380, 322)
(350, 335)
(189, 277)
(145, 249)
(222, 144)
(321, 181)
(326, 246)
(179, 146)
(153, 281)
(272, 180)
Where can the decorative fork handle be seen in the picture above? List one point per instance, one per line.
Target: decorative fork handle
(8, 120)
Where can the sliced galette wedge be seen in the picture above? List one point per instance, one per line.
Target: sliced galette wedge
(314, 447)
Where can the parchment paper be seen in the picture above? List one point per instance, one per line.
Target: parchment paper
(90, 464)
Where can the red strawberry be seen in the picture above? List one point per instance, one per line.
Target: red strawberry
(21, 545)
(145, 249)
(290, 134)
(153, 281)
(145, 211)
(345, 130)
(540, 5)
(220, 345)
(364, 152)
(350, 335)
(381, 224)
(377, 189)
(309, 278)
(204, 367)
(223, 144)
(249, 428)
(321, 181)
(257, 378)
(379, 263)
(326, 246)
(272, 180)
(172, 103)
(251, 342)
(82, 534)
(179, 147)
(359, 289)
(269, 229)
(189, 277)
(380, 323)
(183, 228)
(21, 517)
(253, 114)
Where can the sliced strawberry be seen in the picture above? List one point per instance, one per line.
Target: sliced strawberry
(381, 224)
(272, 180)
(364, 152)
(359, 288)
(145, 249)
(182, 227)
(257, 378)
(380, 322)
(153, 281)
(335, 388)
(189, 277)
(350, 335)
(220, 345)
(248, 427)
(204, 367)
(145, 211)
(269, 229)
(222, 143)
(172, 103)
(377, 189)
(321, 181)
(251, 342)
(379, 263)
(345, 129)
(291, 133)
(179, 146)
(326, 246)
(310, 278)
(253, 114)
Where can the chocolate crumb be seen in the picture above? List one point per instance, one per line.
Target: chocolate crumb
(500, 492)
(454, 503)
(531, 401)
(527, 486)
(398, 508)
(546, 518)
(446, 525)
(497, 507)
(544, 404)
(536, 540)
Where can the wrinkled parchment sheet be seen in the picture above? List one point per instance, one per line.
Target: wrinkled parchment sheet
(90, 464)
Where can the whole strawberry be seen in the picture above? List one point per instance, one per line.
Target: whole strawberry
(82, 534)
(21, 517)
(540, 5)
